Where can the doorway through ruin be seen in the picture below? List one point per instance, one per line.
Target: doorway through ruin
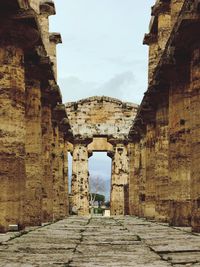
(100, 171)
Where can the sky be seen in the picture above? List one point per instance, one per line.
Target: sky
(102, 54)
(102, 51)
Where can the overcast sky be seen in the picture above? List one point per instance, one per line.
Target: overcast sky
(102, 54)
(102, 51)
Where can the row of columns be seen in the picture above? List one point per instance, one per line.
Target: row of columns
(33, 136)
(80, 178)
(165, 172)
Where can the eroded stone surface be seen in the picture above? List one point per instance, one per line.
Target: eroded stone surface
(99, 241)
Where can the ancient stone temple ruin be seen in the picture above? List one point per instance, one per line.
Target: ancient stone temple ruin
(33, 121)
(165, 180)
(155, 147)
(101, 124)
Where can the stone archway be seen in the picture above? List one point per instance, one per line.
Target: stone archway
(100, 124)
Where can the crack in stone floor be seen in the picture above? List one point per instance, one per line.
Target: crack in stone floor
(100, 241)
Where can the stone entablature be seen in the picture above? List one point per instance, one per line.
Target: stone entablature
(101, 116)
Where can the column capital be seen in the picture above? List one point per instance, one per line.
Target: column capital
(161, 7)
(47, 8)
(116, 142)
(150, 38)
(55, 37)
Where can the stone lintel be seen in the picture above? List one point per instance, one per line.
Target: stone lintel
(47, 7)
(55, 38)
(161, 7)
(85, 141)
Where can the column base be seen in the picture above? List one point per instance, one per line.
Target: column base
(149, 211)
(180, 213)
(162, 211)
(195, 222)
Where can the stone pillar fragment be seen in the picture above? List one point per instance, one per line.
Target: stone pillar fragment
(80, 180)
(34, 170)
(47, 182)
(142, 177)
(161, 160)
(179, 147)
(195, 138)
(56, 172)
(120, 176)
(150, 185)
(12, 136)
(63, 177)
(134, 178)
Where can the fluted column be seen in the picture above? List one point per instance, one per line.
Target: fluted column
(195, 138)
(135, 155)
(15, 37)
(80, 179)
(56, 172)
(179, 146)
(12, 138)
(161, 159)
(119, 180)
(47, 181)
(150, 185)
(34, 170)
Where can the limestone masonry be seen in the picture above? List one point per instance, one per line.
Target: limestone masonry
(155, 147)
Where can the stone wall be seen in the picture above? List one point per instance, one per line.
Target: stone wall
(33, 123)
(167, 124)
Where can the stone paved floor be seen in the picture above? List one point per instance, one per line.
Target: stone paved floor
(99, 241)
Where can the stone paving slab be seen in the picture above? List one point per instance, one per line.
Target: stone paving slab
(98, 241)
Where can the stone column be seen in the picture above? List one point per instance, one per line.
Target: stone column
(12, 138)
(47, 140)
(66, 176)
(63, 176)
(56, 171)
(120, 177)
(34, 170)
(161, 159)
(195, 138)
(80, 179)
(142, 176)
(150, 190)
(179, 146)
(134, 178)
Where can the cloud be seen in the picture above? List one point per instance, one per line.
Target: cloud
(124, 62)
(120, 86)
(74, 88)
